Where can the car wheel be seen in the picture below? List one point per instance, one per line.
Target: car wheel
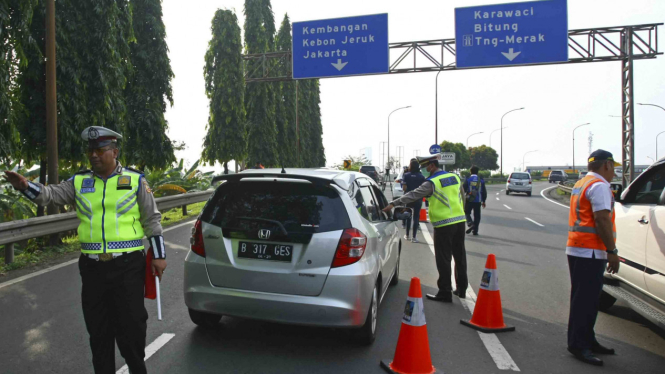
(507, 192)
(204, 319)
(606, 301)
(528, 193)
(367, 333)
(395, 280)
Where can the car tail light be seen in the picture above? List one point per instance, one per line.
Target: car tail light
(350, 249)
(508, 180)
(529, 181)
(196, 240)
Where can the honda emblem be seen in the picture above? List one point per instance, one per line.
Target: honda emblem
(264, 234)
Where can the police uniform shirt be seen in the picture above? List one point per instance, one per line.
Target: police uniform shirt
(65, 194)
(600, 196)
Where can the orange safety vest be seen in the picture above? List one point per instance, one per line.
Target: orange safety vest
(581, 224)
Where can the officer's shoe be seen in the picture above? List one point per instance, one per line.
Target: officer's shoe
(469, 223)
(469, 230)
(460, 294)
(586, 356)
(444, 297)
(599, 349)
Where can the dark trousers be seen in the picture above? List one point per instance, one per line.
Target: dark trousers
(113, 309)
(449, 241)
(416, 206)
(475, 208)
(586, 278)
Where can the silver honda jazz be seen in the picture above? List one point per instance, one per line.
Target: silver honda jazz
(298, 246)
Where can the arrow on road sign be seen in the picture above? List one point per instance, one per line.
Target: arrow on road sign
(340, 65)
(511, 55)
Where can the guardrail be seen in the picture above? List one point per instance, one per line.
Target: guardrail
(568, 190)
(16, 231)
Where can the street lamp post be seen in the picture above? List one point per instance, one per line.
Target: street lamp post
(493, 133)
(436, 108)
(657, 143)
(652, 160)
(574, 143)
(388, 163)
(657, 106)
(523, 162)
(467, 139)
(501, 128)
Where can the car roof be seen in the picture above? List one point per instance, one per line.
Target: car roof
(341, 178)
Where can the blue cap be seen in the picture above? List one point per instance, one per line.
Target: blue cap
(602, 155)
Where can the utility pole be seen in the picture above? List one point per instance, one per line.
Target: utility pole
(51, 109)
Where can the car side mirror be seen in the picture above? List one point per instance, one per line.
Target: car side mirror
(617, 191)
(402, 213)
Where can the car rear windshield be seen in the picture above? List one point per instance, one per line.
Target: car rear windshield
(520, 176)
(367, 168)
(294, 207)
(556, 173)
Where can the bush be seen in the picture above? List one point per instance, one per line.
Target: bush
(484, 173)
(465, 173)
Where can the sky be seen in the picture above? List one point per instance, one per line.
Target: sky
(355, 110)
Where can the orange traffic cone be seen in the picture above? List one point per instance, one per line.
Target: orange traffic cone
(423, 213)
(487, 315)
(412, 354)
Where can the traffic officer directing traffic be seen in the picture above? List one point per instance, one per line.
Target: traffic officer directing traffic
(591, 238)
(444, 192)
(116, 210)
(476, 195)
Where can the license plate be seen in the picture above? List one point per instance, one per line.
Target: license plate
(265, 251)
(518, 184)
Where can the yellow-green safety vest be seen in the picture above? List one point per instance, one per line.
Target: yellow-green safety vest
(445, 205)
(109, 213)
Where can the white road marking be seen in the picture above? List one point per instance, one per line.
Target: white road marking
(542, 193)
(150, 350)
(491, 342)
(498, 199)
(507, 207)
(497, 193)
(529, 219)
(70, 262)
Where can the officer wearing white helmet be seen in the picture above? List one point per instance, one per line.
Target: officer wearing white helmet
(445, 194)
(117, 210)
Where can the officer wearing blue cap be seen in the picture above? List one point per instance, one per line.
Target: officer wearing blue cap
(116, 211)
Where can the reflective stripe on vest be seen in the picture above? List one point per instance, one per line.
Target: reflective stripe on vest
(445, 204)
(109, 213)
(582, 231)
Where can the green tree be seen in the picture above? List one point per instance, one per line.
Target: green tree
(304, 121)
(223, 72)
(15, 40)
(462, 160)
(484, 157)
(286, 102)
(93, 64)
(356, 163)
(260, 96)
(316, 152)
(145, 141)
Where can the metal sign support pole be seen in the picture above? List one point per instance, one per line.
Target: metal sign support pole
(627, 110)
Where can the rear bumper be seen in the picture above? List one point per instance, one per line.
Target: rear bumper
(340, 304)
(512, 187)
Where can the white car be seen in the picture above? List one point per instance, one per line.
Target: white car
(640, 224)
(519, 182)
(397, 189)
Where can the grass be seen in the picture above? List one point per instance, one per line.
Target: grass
(561, 193)
(36, 253)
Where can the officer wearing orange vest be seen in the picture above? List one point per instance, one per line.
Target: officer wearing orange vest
(591, 238)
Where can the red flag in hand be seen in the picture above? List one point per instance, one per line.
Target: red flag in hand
(150, 284)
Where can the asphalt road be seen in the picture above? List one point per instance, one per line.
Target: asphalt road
(42, 327)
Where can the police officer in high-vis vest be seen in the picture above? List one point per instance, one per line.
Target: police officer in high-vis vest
(116, 211)
(444, 192)
(590, 249)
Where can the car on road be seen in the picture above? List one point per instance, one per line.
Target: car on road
(557, 176)
(299, 246)
(640, 226)
(582, 174)
(397, 189)
(519, 182)
(373, 171)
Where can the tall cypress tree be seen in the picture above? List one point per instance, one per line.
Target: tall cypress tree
(286, 101)
(145, 141)
(259, 96)
(223, 72)
(317, 153)
(304, 121)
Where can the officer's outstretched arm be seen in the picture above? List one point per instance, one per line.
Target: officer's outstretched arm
(59, 194)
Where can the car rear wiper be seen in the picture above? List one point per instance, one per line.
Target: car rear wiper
(266, 220)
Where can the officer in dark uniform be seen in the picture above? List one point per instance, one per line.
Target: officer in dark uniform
(117, 210)
(476, 195)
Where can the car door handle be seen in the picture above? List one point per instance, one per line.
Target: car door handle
(643, 221)
(211, 236)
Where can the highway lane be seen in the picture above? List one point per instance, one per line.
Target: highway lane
(43, 331)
